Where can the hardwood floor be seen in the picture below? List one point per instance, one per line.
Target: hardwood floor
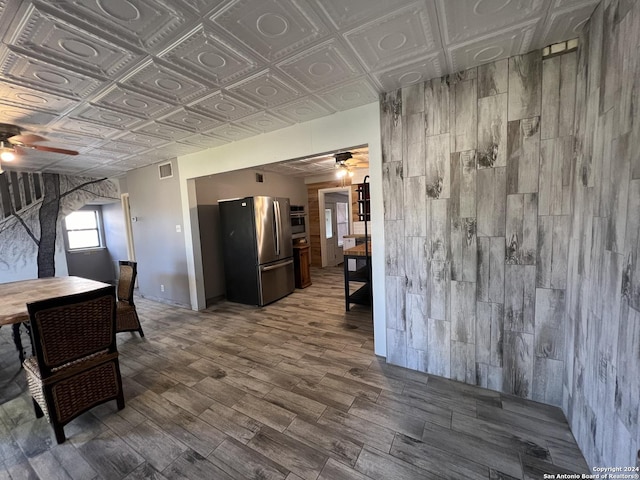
(289, 391)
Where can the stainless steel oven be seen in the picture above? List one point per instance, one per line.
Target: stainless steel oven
(298, 221)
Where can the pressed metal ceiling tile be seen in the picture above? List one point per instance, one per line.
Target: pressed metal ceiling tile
(271, 28)
(137, 81)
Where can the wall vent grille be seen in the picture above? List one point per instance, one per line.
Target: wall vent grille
(165, 170)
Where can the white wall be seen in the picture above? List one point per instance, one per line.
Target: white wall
(242, 183)
(352, 127)
(115, 233)
(159, 247)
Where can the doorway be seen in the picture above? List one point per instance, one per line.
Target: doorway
(335, 223)
(126, 210)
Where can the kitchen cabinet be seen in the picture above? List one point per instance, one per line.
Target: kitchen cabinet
(302, 271)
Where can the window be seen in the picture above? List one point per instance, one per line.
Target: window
(342, 214)
(328, 223)
(82, 229)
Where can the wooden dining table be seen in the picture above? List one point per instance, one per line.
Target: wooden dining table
(14, 297)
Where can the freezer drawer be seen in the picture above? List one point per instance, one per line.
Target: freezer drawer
(276, 281)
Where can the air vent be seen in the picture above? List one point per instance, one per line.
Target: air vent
(259, 178)
(165, 170)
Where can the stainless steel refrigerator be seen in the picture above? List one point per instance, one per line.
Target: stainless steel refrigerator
(257, 249)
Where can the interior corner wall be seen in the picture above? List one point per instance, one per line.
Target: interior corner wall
(158, 236)
(512, 223)
(115, 234)
(476, 177)
(602, 374)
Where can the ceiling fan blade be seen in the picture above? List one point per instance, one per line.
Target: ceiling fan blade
(26, 139)
(42, 148)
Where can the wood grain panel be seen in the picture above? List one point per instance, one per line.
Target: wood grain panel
(492, 131)
(414, 154)
(523, 152)
(438, 300)
(525, 80)
(418, 334)
(438, 347)
(463, 312)
(496, 270)
(547, 380)
(438, 165)
(549, 331)
(483, 332)
(412, 99)
(463, 365)
(631, 279)
(545, 251)
(560, 251)
(393, 201)
(397, 347)
(493, 78)
(436, 101)
(491, 202)
(519, 294)
(467, 183)
(550, 110)
(439, 229)
(457, 239)
(484, 249)
(522, 229)
(416, 269)
(394, 254)
(395, 304)
(415, 215)
(465, 104)
(518, 363)
(620, 169)
(391, 126)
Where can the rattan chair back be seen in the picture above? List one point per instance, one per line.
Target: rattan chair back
(127, 280)
(127, 319)
(67, 329)
(75, 366)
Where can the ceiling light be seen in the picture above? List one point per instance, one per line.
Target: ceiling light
(7, 154)
(342, 169)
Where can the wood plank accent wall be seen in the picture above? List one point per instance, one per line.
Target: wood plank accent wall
(512, 229)
(477, 225)
(313, 214)
(601, 380)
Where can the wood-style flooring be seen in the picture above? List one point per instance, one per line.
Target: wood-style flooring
(289, 391)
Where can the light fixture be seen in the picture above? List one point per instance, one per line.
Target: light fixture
(7, 154)
(342, 169)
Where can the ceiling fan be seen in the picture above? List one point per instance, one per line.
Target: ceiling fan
(13, 143)
(347, 161)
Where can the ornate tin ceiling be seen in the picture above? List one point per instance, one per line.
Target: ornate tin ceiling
(133, 82)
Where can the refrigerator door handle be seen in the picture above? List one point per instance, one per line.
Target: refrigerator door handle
(273, 267)
(278, 229)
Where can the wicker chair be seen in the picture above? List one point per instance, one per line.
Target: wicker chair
(75, 366)
(127, 317)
